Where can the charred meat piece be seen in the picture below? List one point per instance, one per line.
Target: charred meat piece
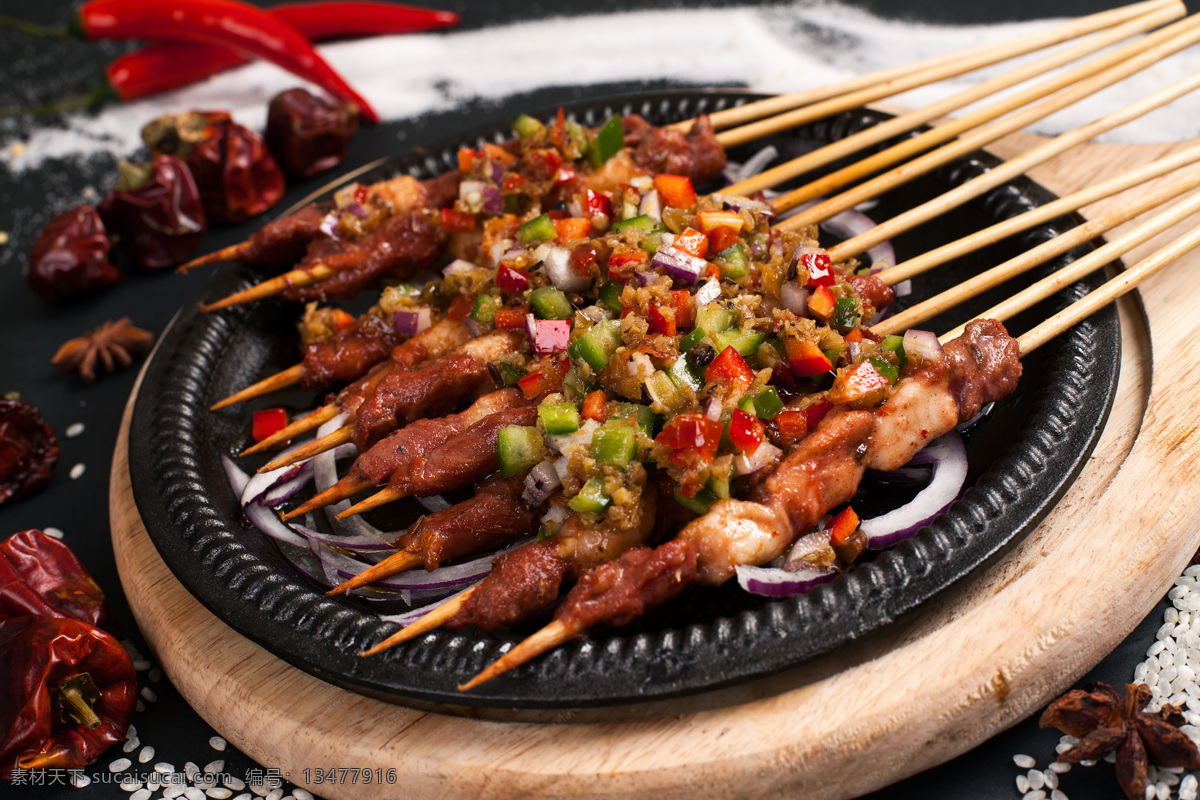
(464, 459)
(492, 518)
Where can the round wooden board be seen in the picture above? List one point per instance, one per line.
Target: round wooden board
(983, 656)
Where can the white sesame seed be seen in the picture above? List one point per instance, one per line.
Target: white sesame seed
(141, 794)
(219, 793)
(153, 782)
(74, 429)
(1036, 779)
(53, 533)
(301, 794)
(217, 743)
(237, 784)
(1062, 747)
(1178, 592)
(1169, 778)
(1058, 794)
(79, 780)
(1113, 759)
(1023, 761)
(1038, 795)
(1139, 673)
(1162, 790)
(1051, 779)
(119, 765)
(149, 694)
(1022, 784)
(214, 767)
(203, 782)
(192, 793)
(130, 784)
(131, 745)
(77, 471)
(155, 675)
(1060, 767)
(164, 768)
(146, 754)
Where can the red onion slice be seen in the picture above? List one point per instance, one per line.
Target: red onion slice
(369, 543)
(440, 579)
(949, 473)
(775, 582)
(410, 323)
(409, 617)
(683, 267)
(651, 206)
(280, 493)
(548, 336)
(329, 225)
(851, 223)
(922, 345)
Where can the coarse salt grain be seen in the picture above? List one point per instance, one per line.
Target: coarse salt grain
(77, 471)
(217, 743)
(1023, 761)
(74, 429)
(1036, 779)
(119, 765)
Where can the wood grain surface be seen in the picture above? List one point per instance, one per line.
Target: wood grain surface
(988, 653)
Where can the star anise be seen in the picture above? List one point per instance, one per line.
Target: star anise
(113, 346)
(1104, 722)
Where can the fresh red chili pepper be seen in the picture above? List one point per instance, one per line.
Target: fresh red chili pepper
(156, 212)
(730, 369)
(220, 22)
(164, 66)
(510, 280)
(543, 163)
(41, 577)
(681, 301)
(70, 256)
(268, 421)
(819, 268)
(67, 692)
(545, 377)
(28, 450)
(460, 307)
(815, 412)
(598, 205)
(745, 431)
(722, 238)
(235, 173)
(624, 261)
(308, 133)
(805, 358)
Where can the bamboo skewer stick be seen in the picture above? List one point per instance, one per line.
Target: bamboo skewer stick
(878, 91)
(1110, 291)
(272, 286)
(948, 130)
(1011, 169)
(1051, 36)
(1022, 263)
(556, 632)
(303, 425)
(342, 490)
(231, 253)
(1089, 263)
(313, 448)
(1037, 216)
(392, 565)
(280, 380)
(434, 619)
(380, 498)
(1167, 41)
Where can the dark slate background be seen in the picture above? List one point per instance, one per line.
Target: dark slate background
(34, 71)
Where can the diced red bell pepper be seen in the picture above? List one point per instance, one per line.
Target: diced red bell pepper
(792, 427)
(819, 268)
(623, 262)
(457, 222)
(572, 228)
(497, 153)
(805, 358)
(565, 174)
(691, 438)
(662, 320)
(730, 369)
(745, 431)
(594, 405)
(692, 242)
(466, 158)
(822, 302)
(460, 307)
(712, 219)
(862, 385)
(547, 377)
(545, 163)
(268, 421)
(510, 280)
(854, 336)
(842, 526)
(598, 205)
(681, 301)
(816, 411)
(512, 182)
(582, 258)
(721, 239)
(342, 318)
(676, 190)
(510, 318)
(361, 194)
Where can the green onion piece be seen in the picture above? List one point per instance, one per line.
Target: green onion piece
(614, 443)
(549, 303)
(558, 418)
(527, 127)
(484, 311)
(608, 142)
(591, 499)
(734, 262)
(538, 229)
(518, 448)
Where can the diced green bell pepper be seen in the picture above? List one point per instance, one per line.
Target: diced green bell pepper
(608, 142)
(683, 374)
(663, 390)
(845, 313)
(701, 503)
(549, 303)
(597, 345)
(591, 499)
(558, 418)
(510, 374)
(885, 368)
(484, 311)
(610, 297)
(714, 319)
(538, 229)
(615, 443)
(691, 340)
(734, 262)
(652, 240)
(643, 416)
(527, 127)
(519, 447)
(896, 345)
(642, 222)
(744, 342)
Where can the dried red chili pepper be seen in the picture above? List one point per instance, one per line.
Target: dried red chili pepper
(70, 256)
(67, 692)
(155, 212)
(221, 22)
(236, 175)
(28, 450)
(308, 134)
(41, 577)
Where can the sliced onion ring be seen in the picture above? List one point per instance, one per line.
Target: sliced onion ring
(949, 473)
(776, 582)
